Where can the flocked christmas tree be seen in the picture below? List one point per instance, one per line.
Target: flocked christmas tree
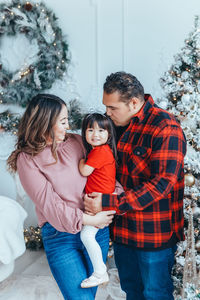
(181, 87)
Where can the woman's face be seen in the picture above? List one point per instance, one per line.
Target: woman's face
(61, 125)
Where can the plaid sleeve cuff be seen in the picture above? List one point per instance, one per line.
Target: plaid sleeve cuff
(111, 202)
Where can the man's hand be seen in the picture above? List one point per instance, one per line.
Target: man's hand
(93, 202)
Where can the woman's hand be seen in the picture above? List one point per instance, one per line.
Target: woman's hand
(100, 220)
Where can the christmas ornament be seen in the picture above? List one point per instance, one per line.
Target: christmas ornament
(197, 245)
(28, 6)
(189, 180)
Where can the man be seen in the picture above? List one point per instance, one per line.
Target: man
(151, 148)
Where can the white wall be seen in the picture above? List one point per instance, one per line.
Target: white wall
(105, 36)
(140, 37)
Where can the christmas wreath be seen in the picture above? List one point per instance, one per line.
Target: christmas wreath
(39, 25)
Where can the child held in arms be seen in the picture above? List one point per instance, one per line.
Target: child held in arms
(100, 169)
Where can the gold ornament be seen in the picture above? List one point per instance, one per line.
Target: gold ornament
(189, 179)
(197, 245)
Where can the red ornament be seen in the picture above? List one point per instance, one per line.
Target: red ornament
(28, 6)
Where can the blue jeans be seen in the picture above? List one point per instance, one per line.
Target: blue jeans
(145, 275)
(69, 261)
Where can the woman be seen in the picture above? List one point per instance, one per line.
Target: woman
(46, 159)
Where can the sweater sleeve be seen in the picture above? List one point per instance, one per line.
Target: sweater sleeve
(55, 210)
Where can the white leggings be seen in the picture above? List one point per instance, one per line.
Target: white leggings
(87, 235)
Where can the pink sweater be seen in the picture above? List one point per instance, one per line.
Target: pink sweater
(57, 189)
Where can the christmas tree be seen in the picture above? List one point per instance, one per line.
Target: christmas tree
(181, 89)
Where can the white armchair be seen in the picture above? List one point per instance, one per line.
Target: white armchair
(12, 244)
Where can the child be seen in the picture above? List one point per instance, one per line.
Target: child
(100, 167)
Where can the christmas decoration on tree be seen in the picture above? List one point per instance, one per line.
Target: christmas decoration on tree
(181, 96)
(190, 271)
(38, 24)
(33, 238)
(110, 250)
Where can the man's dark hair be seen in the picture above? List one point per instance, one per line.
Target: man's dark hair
(127, 85)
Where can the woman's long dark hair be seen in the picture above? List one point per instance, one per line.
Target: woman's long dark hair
(36, 126)
(103, 122)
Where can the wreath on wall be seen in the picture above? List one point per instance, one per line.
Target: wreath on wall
(39, 25)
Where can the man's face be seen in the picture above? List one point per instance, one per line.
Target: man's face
(120, 112)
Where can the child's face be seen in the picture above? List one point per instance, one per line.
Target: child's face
(96, 136)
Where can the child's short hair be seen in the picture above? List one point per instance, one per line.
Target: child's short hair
(104, 122)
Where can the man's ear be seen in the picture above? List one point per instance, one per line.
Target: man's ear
(133, 103)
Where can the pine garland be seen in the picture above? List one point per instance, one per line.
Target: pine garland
(33, 238)
(10, 121)
(74, 114)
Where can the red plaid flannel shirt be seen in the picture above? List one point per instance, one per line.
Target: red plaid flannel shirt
(151, 158)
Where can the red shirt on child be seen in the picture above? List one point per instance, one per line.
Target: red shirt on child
(103, 177)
